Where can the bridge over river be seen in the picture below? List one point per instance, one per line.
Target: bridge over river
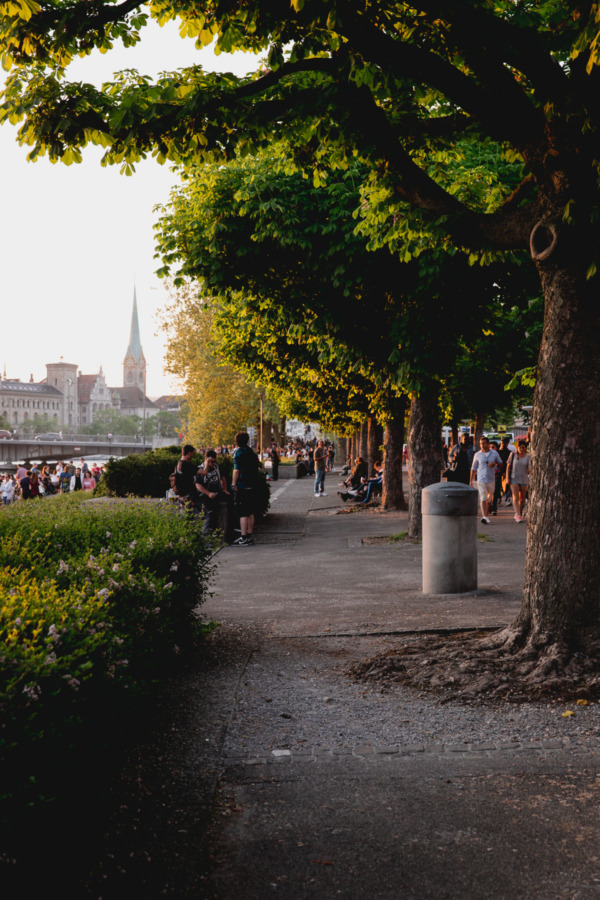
(29, 450)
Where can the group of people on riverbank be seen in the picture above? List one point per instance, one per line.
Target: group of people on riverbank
(35, 482)
(199, 488)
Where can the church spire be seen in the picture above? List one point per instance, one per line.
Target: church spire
(135, 345)
(134, 364)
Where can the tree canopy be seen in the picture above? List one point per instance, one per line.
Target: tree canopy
(389, 81)
(220, 399)
(399, 87)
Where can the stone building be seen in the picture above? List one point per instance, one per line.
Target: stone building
(94, 396)
(20, 401)
(75, 398)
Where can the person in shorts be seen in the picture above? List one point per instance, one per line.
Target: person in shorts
(483, 468)
(244, 483)
(518, 476)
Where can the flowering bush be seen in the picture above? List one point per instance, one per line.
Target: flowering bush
(94, 598)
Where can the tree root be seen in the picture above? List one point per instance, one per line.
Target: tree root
(507, 665)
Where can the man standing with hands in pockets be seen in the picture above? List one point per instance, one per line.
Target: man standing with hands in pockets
(484, 468)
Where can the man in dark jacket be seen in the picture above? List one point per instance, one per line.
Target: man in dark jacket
(245, 482)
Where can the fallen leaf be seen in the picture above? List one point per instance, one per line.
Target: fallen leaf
(569, 712)
(582, 703)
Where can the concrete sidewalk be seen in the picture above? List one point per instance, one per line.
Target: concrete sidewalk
(309, 572)
(327, 788)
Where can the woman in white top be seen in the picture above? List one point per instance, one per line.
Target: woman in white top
(7, 490)
(518, 476)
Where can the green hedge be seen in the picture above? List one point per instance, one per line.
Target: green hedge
(147, 475)
(96, 599)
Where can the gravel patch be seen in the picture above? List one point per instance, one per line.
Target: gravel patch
(295, 693)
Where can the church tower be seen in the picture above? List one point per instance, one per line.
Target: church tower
(134, 364)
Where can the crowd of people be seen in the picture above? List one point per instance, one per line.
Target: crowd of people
(499, 471)
(35, 482)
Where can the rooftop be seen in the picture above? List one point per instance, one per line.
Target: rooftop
(28, 388)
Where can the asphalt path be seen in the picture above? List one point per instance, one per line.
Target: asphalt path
(306, 817)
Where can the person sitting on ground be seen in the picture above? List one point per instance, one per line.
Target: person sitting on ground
(348, 465)
(359, 472)
(367, 488)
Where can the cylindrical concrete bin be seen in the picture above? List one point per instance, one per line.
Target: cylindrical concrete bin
(449, 538)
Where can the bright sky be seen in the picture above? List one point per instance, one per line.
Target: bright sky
(75, 239)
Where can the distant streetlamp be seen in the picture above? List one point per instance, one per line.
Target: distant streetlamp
(260, 393)
(144, 408)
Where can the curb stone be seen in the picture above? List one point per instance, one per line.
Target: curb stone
(372, 754)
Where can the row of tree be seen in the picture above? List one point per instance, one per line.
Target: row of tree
(418, 95)
(291, 292)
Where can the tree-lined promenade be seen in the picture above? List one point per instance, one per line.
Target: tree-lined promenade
(476, 136)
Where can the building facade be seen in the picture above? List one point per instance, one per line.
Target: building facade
(94, 396)
(75, 398)
(21, 401)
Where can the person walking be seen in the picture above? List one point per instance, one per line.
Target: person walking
(505, 452)
(275, 460)
(498, 485)
(461, 459)
(483, 469)
(518, 476)
(330, 458)
(320, 469)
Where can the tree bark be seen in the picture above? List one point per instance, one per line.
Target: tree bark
(364, 440)
(561, 598)
(393, 491)
(479, 423)
(375, 440)
(342, 450)
(424, 452)
(454, 427)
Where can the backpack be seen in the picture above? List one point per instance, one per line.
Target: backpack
(178, 483)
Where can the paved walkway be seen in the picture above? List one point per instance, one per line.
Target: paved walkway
(278, 775)
(362, 819)
(310, 572)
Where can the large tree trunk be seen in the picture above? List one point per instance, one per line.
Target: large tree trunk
(479, 423)
(355, 446)
(393, 491)
(364, 440)
(424, 452)
(454, 427)
(561, 600)
(342, 450)
(375, 440)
